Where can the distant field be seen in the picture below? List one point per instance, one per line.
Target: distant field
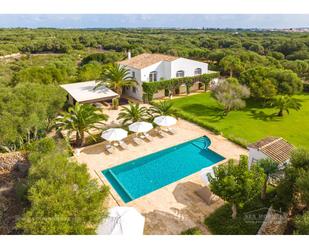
(250, 124)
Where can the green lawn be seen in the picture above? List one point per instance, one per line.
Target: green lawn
(250, 124)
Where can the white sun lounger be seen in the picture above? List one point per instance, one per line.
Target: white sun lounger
(146, 136)
(109, 148)
(171, 130)
(161, 133)
(137, 140)
(123, 145)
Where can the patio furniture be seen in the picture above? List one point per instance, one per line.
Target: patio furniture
(123, 145)
(170, 130)
(160, 133)
(122, 221)
(145, 135)
(206, 195)
(114, 134)
(137, 140)
(165, 121)
(109, 148)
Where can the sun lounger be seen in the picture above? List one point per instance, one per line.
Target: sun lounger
(170, 130)
(109, 148)
(161, 133)
(123, 145)
(206, 195)
(146, 136)
(137, 140)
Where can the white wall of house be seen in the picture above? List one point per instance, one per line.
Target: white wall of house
(188, 66)
(255, 155)
(165, 70)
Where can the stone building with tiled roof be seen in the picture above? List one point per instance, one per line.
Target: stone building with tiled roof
(275, 148)
(155, 67)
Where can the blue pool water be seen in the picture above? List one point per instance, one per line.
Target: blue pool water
(141, 176)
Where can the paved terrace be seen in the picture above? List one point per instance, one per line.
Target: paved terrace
(175, 207)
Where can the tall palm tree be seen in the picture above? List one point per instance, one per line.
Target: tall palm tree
(116, 77)
(133, 113)
(162, 108)
(269, 167)
(80, 119)
(284, 103)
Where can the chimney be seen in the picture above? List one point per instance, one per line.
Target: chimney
(129, 55)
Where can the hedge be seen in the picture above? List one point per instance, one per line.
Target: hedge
(150, 88)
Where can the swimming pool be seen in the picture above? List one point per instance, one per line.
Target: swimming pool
(143, 175)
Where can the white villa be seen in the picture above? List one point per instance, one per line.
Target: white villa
(154, 67)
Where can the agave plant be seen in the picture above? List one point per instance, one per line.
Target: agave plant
(116, 77)
(133, 113)
(80, 118)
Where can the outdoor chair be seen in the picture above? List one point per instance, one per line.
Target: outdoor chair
(123, 145)
(146, 136)
(171, 130)
(161, 133)
(109, 148)
(137, 140)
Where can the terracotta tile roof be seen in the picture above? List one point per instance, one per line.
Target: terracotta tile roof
(275, 148)
(145, 60)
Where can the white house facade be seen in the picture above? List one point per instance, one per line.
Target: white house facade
(155, 67)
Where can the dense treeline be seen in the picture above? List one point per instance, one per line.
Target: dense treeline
(268, 63)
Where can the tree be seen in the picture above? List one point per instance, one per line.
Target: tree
(116, 77)
(236, 183)
(266, 82)
(133, 113)
(302, 185)
(302, 223)
(63, 197)
(230, 94)
(231, 63)
(162, 108)
(285, 103)
(26, 112)
(90, 71)
(80, 119)
(269, 167)
(288, 192)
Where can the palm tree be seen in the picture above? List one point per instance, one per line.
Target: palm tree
(269, 167)
(80, 119)
(284, 103)
(116, 77)
(162, 108)
(132, 113)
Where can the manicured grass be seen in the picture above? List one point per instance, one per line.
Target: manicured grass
(248, 221)
(250, 124)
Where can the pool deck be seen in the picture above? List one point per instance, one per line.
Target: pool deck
(175, 207)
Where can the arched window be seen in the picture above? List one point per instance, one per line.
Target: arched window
(180, 74)
(153, 76)
(198, 71)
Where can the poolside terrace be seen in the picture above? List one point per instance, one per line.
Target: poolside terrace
(175, 207)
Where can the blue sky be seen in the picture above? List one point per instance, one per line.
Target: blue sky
(156, 20)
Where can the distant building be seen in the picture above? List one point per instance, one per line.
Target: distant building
(155, 67)
(275, 148)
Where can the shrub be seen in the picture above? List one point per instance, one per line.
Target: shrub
(63, 197)
(192, 231)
